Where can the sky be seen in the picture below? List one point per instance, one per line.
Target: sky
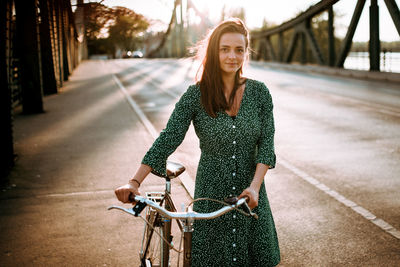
(274, 11)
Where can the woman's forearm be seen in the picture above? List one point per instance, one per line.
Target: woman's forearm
(141, 174)
(261, 170)
(252, 192)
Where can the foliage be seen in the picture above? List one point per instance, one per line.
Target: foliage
(320, 29)
(126, 30)
(96, 18)
(101, 46)
(111, 28)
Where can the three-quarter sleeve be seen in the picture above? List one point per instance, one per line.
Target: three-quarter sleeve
(266, 149)
(173, 134)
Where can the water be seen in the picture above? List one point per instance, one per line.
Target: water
(390, 62)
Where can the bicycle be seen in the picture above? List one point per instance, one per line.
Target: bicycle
(160, 210)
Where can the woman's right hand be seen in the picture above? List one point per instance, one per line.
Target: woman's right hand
(126, 192)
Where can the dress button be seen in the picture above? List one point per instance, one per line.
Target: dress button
(234, 216)
(233, 174)
(234, 245)
(234, 259)
(233, 188)
(233, 230)
(233, 126)
(233, 156)
(234, 142)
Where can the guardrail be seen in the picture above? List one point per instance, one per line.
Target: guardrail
(300, 30)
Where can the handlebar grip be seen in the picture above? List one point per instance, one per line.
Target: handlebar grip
(131, 198)
(139, 205)
(234, 200)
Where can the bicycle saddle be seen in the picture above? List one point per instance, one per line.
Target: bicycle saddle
(173, 170)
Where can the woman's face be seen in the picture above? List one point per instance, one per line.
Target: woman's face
(232, 51)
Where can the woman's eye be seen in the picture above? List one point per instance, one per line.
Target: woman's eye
(224, 49)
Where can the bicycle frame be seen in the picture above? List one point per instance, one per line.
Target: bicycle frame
(170, 206)
(166, 200)
(187, 218)
(184, 220)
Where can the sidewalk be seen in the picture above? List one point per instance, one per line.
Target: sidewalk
(70, 159)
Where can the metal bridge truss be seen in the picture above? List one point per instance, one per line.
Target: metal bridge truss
(302, 32)
(39, 49)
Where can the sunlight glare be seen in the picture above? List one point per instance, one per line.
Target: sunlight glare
(193, 17)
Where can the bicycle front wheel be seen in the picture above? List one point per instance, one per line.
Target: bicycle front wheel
(152, 253)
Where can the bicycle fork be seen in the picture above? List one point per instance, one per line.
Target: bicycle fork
(166, 226)
(187, 231)
(167, 235)
(187, 241)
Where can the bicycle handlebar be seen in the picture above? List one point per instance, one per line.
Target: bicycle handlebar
(142, 202)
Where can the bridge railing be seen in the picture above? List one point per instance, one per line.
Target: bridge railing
(38, 52)
(301, 34)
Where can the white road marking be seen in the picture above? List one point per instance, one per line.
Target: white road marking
(355, 207)
(137, 109)
(83, 193)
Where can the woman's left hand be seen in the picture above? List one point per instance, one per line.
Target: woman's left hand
(252, 197)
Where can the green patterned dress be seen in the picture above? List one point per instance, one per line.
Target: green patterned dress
(230, 149)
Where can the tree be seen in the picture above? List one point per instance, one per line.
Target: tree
(108, 28)
(97, 16)
(127, 28)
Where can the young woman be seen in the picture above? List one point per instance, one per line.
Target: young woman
(233, 119)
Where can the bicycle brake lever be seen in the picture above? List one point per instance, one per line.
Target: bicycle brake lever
(129, 211)
(234, 200)
(253, 214)
(135, 211)
(138, 208)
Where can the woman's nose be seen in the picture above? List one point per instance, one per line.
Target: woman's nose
(231, 54)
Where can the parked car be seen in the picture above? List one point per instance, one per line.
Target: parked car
(137, 54)
(134, 54)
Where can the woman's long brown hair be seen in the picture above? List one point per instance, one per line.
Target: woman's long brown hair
(211, 84)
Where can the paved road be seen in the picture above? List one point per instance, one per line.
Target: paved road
(334, 193)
